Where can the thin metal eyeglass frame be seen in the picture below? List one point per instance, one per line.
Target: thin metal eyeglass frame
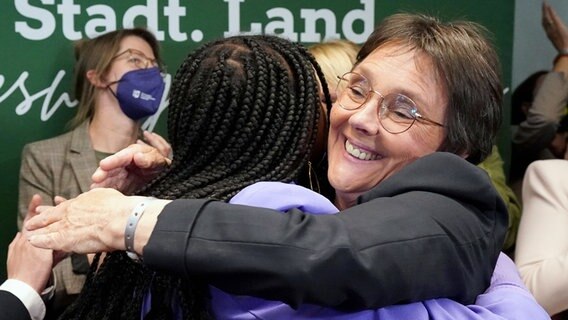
(148, 62)
(416, 115)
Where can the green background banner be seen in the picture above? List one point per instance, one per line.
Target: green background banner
(37, 53)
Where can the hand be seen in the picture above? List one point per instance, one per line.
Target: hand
(554, 27)
(92, 222)
(29, 264)
(130, 169)
(157, 141)
(35, 202)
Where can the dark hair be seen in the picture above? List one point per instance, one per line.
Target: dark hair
(467, 66)
(242, 109)
(97, 54)
(524, 93)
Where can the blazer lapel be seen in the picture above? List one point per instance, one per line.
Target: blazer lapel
(82, 156)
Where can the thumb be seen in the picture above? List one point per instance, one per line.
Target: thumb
(32, 207)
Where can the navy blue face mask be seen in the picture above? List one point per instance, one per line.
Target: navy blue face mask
(139, 92)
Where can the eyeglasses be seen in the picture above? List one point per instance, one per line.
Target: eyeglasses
(397, 112)
(137, 59)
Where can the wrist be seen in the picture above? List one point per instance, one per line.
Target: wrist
(114, 238)
(562, 53)
(132, 224)
(144, 226)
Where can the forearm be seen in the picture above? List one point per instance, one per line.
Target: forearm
(545, 113)
(299, 258)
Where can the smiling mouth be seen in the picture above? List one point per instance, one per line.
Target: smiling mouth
(359, 154)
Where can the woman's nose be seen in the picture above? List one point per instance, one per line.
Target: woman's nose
(366, 118)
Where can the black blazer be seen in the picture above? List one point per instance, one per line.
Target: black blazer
(11, 308)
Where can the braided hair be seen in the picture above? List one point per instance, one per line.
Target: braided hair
(241, 110)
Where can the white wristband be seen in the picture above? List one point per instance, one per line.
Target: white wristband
(131, 224)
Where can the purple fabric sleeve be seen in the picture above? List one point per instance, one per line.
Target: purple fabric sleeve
(507, 298)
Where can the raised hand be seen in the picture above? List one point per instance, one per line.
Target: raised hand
(130, 169)
(555, 28)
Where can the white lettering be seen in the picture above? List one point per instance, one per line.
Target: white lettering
(104, 25)
(173, 11)
(150, 123)
(44, 17)
(311, 16)
(46, 110)
(282, 23)
(148, 11)
(366, 15)
(67, 9)
(286, 24)
(234, 17)
(105, 20)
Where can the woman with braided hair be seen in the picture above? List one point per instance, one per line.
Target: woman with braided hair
(242, 110)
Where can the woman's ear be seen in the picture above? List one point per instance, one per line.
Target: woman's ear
(95, 80)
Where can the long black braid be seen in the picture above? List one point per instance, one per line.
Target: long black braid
(241, 110)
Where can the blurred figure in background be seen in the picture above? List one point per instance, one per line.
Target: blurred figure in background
(537, 136)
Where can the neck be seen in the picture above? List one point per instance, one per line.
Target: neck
(110, 129)
(344, 201)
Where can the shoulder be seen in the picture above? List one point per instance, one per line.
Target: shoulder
(546, 177)
(75, 138)
(440, 172)
(57, 143)
(554, 169)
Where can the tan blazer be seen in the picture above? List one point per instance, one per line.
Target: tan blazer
(58, 166)
(542, 241)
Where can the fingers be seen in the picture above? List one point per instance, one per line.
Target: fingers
(152, 162)
(35, 202)
(121, 159)
(50, 240)
(546, 16)
(99, 176)
(48, 235)
(158, 142)
(115, 179)
(58, 199)
(46, 216)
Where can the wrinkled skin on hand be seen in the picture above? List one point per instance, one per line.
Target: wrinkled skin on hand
(92, 222)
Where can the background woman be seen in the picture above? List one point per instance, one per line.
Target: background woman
(109, 70)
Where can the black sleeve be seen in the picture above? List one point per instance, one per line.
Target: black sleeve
(420, 235)
(11, 308)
